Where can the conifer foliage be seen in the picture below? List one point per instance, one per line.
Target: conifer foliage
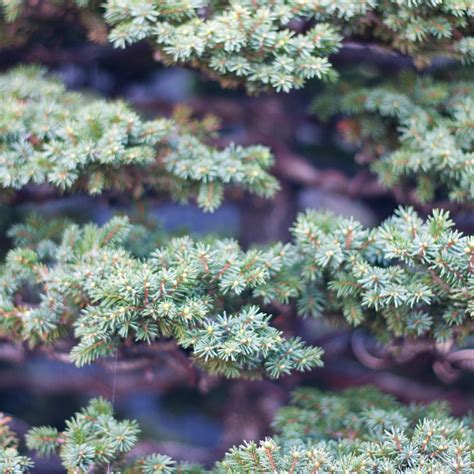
(10, 459)
(360, 430)
(186, 290)
(418, 130)
(285, 43)
(63, 139)
(99, 291)
(406, 278)
(275, 44)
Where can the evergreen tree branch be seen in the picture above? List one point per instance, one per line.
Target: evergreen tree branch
(50, 136)
(406, 279)
(272, 44)
(417, 131)
(283, 44)
(186, 290)
(359, 430)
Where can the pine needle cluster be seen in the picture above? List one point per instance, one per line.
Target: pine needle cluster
(406, 278)
(275, 44)
(104, 288)
(63, 139)
(418, 129)
(93, 437)
(11, 462)
(186, 290)
(95, 440)
(282, 43)
(359, 431)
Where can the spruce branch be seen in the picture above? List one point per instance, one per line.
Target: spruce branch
(359, 430)
(92, 438)
(405, 279)
(11, 461)
(50, 136)
(284, 44)
(8, 438)
(417, 131)
(186, 290)
(410, 280)
(273, 44)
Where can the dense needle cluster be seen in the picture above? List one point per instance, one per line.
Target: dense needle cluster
(358, 431)
(418, 130)
(10, 459)
(63, 139)
(272, 44)
(406, 278)
(282, 43)
(94, 439)
(192, 292)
